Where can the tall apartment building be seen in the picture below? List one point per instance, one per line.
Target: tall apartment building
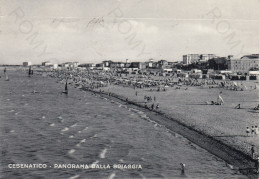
(193, 58)
(244, 64)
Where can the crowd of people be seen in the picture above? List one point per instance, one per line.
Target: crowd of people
(96, 78)
(254, 131)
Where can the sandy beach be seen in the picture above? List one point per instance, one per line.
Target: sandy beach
(222, 122)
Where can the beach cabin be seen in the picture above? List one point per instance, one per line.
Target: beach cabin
(195, 73)
(219, 77)
(167, 71)
(253, 75)
(225, 72)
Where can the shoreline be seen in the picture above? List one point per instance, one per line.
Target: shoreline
(235, 159)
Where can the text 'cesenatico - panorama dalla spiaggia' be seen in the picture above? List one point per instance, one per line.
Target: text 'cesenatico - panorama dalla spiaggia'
(76, 166)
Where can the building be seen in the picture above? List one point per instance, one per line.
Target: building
(117, 65)
(150, 63)
(65, 65)
(26, 64)
(88, 65)
(55, 66)
(244, 64)
(193, 58)
(206, 57)
(137, 65)
(75, 64)
(47, 63)
(107, 63)
(70, 64)
(190, 58)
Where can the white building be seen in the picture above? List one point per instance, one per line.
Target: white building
(193, 58)
(55, 66)
(71, 64)
(47, 63)
(26, 64)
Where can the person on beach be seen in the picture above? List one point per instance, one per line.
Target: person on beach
(252, 131)
(257, 164)
(257, 107)
(247, 131)
(152, 106)
(157, 106)
(182, 168)
(145, 98)
(238, 106)
(252, 151)
(136, 93)
(256, 130)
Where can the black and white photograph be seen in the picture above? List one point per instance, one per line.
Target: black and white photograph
(136, 89)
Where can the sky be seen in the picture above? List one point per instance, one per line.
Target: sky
(90, 31)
